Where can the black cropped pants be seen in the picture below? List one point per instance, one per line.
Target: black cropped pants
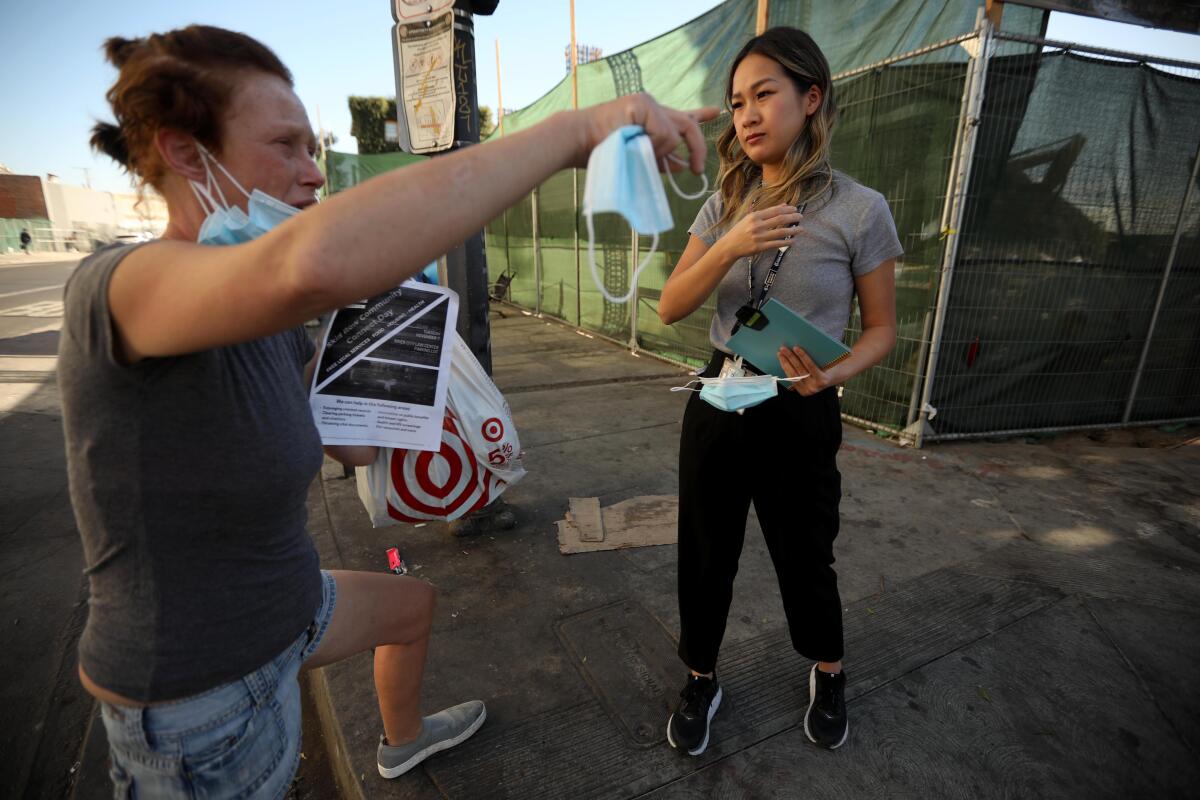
(782, 456)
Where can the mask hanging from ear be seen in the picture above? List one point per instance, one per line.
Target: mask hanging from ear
(622, 177)
(226, 223)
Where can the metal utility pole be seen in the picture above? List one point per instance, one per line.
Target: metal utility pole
(466, 265)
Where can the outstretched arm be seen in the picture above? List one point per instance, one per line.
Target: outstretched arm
(174, 297)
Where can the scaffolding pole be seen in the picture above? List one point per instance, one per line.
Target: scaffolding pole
(537, 256)
(633, 301)
(499, 93)
(970, 128)
(1162, 287)
(575, 177)
(914, 401)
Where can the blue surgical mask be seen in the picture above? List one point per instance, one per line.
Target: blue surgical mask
(227, 223)
(622, 177)
(737, 393)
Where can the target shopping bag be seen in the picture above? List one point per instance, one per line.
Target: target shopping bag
(479, 457)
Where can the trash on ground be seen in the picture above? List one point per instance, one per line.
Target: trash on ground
(638, 522)
(585, 515)
(396, 561)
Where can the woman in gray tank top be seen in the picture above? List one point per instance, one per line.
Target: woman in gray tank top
(183, 370)
(782, 224)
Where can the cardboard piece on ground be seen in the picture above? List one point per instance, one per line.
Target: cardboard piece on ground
(585, 515)
(637, 522)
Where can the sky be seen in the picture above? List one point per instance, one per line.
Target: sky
(53, 76)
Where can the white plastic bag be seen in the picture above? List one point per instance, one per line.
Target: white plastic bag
(479, 458)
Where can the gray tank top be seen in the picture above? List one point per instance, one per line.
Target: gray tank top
(189, 477)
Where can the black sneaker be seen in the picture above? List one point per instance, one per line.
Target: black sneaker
(687, 729)
(825, 721)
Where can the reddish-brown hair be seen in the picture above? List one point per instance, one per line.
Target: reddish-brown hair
(183, 79)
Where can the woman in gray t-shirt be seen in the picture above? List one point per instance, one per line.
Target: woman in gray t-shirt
(191, 446)
(776, 189)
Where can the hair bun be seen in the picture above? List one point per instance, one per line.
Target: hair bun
(110, 140)
(118, 50)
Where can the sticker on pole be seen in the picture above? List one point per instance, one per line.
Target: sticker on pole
(423, 55)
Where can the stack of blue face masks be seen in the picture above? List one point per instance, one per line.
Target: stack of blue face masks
(622, 177)
(226, 223)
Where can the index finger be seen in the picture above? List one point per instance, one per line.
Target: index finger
(694, 137)
(775, 211)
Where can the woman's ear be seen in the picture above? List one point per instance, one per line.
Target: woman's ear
(812, 100)
(180, 153)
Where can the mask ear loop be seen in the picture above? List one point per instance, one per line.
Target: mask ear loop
(225, 172)
(687, 387)
(204, 198)
(596, 275)
(671, 179)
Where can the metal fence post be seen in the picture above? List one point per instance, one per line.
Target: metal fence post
(952, 225)
(537, 256)
(575, 226)
(1162, 287)
(633, 301)
(507, 256)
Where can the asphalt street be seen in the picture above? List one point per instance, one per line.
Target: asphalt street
(43, 712)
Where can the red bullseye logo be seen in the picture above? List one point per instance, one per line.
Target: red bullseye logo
(440, 485)
(493, 429)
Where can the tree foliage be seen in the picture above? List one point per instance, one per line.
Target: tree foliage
(487, 123)
(367, 118)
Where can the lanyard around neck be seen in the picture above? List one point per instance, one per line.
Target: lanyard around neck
(771, 273)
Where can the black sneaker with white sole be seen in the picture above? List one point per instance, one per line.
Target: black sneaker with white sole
(687, 729)
(825, 722)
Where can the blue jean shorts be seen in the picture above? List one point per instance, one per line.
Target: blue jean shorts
(240, 739)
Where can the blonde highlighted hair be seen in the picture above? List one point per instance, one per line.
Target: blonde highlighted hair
(806, 172)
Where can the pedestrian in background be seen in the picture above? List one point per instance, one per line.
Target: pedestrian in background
(776, 190)
(25, 240)
(184, 369)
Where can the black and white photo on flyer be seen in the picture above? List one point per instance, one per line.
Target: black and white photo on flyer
(383, 367)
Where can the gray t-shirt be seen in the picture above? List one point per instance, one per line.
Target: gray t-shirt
(189, 477)
(845, 234)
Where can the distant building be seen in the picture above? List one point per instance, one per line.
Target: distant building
(63, 217)
(583, 55)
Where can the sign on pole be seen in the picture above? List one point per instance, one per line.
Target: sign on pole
(423, 53)
(419, 10)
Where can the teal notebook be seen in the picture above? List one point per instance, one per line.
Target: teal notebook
(775, 326)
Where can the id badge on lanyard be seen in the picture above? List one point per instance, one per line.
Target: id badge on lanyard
(732, 368)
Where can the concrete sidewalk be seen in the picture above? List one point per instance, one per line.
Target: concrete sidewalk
(1022, 619)
(19, 259)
